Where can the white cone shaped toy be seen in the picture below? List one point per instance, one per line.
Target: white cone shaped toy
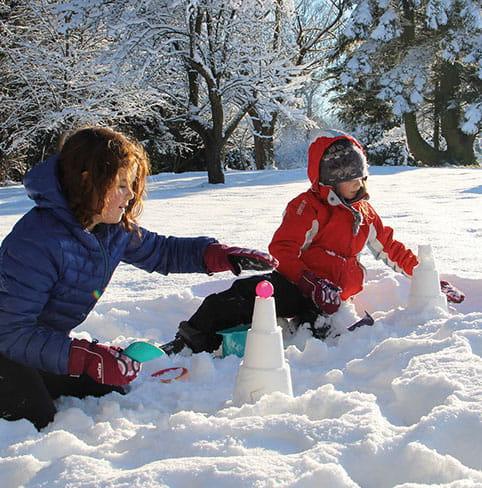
(425, 287)
(263, 369)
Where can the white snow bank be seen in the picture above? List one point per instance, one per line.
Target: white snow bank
(398, 404)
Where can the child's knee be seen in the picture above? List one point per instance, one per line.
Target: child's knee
(246, 287)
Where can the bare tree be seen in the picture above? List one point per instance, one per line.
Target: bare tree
(217, 57)
(304, 34)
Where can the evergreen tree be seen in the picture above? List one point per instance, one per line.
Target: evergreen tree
(418, 62)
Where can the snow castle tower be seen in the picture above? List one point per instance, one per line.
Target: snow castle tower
(263, 369)
(425, 288)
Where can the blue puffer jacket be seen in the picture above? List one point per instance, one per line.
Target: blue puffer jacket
(52, 271)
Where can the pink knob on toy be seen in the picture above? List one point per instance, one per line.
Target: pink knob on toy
(264, 289)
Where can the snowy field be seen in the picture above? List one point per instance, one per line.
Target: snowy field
(396, 404)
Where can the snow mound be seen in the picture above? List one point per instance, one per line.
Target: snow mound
(398, 404)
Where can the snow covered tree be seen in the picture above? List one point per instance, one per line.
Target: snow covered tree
(263, 115)
(56, 74)
(213, 54)
(420, 62)
(301, 34)
(223, 60)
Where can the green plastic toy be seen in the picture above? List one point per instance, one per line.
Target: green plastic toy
(143, 351)
(234, 340)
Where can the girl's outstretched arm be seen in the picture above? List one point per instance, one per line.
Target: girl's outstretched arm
(154, 252)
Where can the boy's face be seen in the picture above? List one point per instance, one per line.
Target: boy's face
(349, 189)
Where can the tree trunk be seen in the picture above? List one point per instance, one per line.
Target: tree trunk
(214, 158)
(214, 143)
(436, 118)
(420, 149)
(263, 139)
(460, 146)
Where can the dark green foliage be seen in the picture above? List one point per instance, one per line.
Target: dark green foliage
(413, 65)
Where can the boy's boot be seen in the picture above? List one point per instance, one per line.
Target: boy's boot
(175, 346)
(318, 324)
(322, 332)
(196, 340)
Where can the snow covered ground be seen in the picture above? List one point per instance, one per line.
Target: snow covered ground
(397, 404)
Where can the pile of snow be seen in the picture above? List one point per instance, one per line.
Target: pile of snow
(396, 404)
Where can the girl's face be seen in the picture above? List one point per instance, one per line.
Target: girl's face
(117, 198)
(349, 189)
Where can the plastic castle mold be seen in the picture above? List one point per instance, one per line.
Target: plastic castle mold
(263, 369)
(425, 287)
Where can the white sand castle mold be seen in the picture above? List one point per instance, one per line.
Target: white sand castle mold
(264, 368)
(425, 287)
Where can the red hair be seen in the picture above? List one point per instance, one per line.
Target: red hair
(89, 162)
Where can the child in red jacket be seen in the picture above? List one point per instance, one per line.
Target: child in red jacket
(318, 246)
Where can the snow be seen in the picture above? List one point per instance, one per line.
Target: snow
(472, 116)
(386, 28)
(398, 404)
(437, 11)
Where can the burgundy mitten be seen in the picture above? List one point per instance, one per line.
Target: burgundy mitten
(104, 364)
(325, 295)
(454, 295)
(219, 257)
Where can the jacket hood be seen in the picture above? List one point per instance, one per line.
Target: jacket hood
(317, 150)
(43, 187)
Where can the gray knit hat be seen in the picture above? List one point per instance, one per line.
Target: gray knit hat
(342, 161)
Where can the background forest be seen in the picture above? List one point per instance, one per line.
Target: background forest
(216, 84)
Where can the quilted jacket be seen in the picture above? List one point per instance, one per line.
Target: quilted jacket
(53, 271)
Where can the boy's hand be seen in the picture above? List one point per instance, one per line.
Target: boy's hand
(219, 257)
(453, 294)
(104, 364)
(325, 295)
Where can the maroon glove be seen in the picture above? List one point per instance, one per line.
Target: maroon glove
(454, 295)
(104, 364)
(219, 257)
(325, 295)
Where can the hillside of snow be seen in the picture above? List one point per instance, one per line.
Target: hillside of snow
(398, 404)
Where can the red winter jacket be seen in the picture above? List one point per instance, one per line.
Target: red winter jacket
(319, 233)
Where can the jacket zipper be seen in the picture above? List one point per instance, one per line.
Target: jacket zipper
(106, 265)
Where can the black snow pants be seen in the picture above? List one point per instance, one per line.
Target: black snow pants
(28, 393)
(235, 307)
